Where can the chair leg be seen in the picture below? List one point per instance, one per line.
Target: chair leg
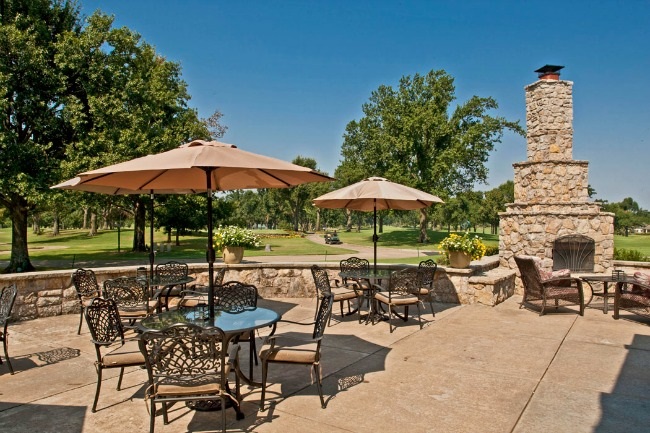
(252, 355)
(119, 380)
(4, 344)
(152, 417)
(265, 367)
(99, 387)
(319, 384)
(81, 319)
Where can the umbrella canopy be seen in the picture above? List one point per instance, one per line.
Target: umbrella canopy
(376, 193)
(198, 166)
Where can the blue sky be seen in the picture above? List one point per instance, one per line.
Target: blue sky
(289, 75)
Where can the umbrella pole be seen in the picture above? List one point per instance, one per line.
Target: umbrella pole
(210, 251)
(151, 253)
(374, 235)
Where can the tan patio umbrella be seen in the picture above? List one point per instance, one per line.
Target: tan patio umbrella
(198, 166)
(376, 193)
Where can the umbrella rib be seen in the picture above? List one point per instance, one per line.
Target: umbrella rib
(143, 186)
(275, 177)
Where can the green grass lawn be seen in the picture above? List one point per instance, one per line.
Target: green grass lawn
(76, 245)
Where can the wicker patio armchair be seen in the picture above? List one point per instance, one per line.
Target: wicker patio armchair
(633, 296)
(403, 291)
(297, 348)
(236, 296)
(85, 283)
(188, 363)
(131, 295)
(341, 294)
(111, 348)
(426, 277)
(563, 290)
(7, 298)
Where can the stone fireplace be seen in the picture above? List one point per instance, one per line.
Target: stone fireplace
(552, 217)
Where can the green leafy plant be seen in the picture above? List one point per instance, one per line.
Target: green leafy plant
(472, 245)
(233, 236)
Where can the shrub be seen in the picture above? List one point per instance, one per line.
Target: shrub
(629, 255)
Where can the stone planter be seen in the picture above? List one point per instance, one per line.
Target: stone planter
(233, 255)
(459, 259)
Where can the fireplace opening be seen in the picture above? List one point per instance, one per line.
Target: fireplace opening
(574, 252)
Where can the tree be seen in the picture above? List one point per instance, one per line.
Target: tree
(411, 135)
(128, 102)
(33, 131)
(495, 202)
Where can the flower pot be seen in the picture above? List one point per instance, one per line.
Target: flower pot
(233, 255)
(459, 259)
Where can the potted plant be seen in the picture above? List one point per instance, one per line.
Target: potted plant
(232, 240)
(461, 250)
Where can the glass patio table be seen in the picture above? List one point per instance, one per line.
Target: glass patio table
(373, 278)
(605, 280)
(232, 323)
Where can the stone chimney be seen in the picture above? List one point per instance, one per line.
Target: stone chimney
(551, 188)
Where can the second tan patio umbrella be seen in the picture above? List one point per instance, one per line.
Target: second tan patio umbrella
(198, 166)
(373, 194)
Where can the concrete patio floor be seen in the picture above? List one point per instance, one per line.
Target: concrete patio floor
(471, 369)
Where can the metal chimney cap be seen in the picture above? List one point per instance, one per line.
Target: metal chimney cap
(549, 70)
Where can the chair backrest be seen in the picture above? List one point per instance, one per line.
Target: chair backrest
(127, 291)
(85, 283)
(323, 315)
(404, 282)
(427, 271)
(530, 277)
(321, 279)
(104, 322)
(184, 353)
(7, 298)
(354, 264)
(235, 296)
(218, 276)
(171, 270)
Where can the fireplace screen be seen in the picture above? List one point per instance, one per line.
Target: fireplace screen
(574, 252)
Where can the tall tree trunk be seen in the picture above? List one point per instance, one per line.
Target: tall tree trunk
(140, 216)
(178, 241)
(84, 224)
(348, 223)
(318, 227)
(19, 261)
(55, 225)
(93, 224)
(169, 236)
(36, 224)
(423, 226)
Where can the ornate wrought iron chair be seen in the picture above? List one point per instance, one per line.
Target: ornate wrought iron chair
(403, 291)
(426, 277)
(131, 295)
(197, 294)
(85, 283)
(298, 349)
(236, 296)
(112, 349)
(341, 294)
(561, 290)
(188, 363)
(7, 298)
(171, 271)
(363, 288)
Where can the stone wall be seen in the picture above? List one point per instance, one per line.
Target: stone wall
(44, 294)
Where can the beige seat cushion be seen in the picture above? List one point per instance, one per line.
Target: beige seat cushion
(208, 384)
(290, 350)
(126, 355)
(396, 298)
